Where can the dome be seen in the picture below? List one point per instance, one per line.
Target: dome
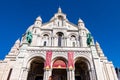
(30, 28)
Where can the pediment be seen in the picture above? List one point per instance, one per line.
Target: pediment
(67, 25)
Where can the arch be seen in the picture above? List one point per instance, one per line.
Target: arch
(82, 69)
(46, 36)
(36, 69)
(59, 58)
(83, 59)
(59, 63)
(60, 34)
(84, 56)
(44, 33)
(59, 68)
(73, 34)
(31, 57)
(73, 38)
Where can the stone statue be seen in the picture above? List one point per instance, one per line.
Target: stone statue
(89, 39)
(29, 37)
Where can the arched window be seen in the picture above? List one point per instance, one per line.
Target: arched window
(60, 35)
(73, 41)
(73, 38)
(45, 39)
(60, 21)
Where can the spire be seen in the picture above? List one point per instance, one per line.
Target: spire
(59, 10)
(38, 18)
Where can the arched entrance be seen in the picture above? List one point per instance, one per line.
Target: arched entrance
(36, 69)
(59, 70)
(81, 69)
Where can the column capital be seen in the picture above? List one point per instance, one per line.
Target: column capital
(47, 68)
(71, 69)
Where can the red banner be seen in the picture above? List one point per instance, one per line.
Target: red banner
(70, 60)
(48, 59)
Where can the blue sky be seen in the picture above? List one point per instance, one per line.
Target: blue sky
(101, 17)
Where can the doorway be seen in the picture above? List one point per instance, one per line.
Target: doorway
(59, 74)
(36, 69)
(59, 71)
(39, 78)
(81, 70)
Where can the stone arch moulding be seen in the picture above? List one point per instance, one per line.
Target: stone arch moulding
(85, 59)
(74, 34)
(31, 57)
(59, 31)
(43, 33)
(82, 69)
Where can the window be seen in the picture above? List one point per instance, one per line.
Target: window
(60, 35)
(60, 22)
(9, 74)
(45, 43)
(59, 41)
(73, 44)
(73, 38)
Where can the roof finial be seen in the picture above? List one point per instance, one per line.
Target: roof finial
(80, 20)
(39, 18)
(59, 10)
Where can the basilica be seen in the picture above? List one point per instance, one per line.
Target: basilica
(59, 48)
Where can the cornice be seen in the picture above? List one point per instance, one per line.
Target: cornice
(76, 50)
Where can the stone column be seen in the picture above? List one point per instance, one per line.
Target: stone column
(24, 74)
(71, 75)
(76, 42)
(92, 74)
(65, 41)
(49, 41)
(47, 73)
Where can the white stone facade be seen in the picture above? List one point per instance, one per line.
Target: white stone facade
(26, 61)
